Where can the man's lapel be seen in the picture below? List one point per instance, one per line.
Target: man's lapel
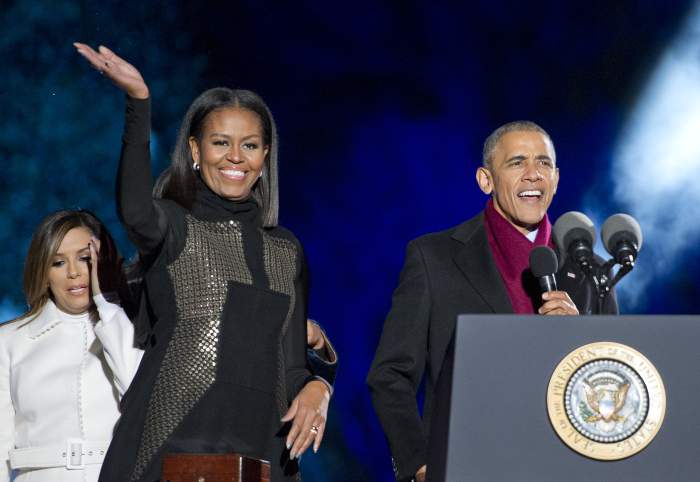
(476, 262)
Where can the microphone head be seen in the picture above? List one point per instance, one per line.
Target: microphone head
(543, 261)
(570, 227)
(621, 226)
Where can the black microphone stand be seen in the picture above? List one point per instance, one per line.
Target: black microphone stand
(599, 274)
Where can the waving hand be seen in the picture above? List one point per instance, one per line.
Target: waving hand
(119, 71)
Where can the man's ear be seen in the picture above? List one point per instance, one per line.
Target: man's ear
(484, 180)
(194, 149)
(556, 180)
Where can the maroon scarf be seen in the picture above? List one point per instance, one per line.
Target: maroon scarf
(511, 251)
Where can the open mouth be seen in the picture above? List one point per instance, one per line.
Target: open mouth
(77, 290)
(531, 195)
(233, 174)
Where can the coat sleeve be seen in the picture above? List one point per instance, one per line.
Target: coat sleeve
(399, 365)
(7, 413)
(144, 222)
(323, 363)
(116, 333)
(297, 373)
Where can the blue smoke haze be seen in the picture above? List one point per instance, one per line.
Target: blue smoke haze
(382, 110)
(654, 163)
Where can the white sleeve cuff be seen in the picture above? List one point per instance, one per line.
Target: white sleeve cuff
(106, 309)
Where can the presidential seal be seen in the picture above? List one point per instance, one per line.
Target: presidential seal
(606, 401)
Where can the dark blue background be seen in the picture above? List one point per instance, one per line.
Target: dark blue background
(382, 109)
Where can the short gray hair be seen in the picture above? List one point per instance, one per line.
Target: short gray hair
(516, 126)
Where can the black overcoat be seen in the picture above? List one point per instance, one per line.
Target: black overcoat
(445, 274)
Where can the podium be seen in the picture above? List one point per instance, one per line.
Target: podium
(502, 405)
(228, 467)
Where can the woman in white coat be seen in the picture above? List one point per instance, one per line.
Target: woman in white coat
(65, 364)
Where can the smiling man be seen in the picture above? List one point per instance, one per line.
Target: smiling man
(479, 266)
(519, 169)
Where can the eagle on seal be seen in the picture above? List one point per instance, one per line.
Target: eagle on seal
(606, 403)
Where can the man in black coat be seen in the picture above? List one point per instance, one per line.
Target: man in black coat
(462, 270)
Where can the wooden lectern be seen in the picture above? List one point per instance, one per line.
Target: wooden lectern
(214, 468)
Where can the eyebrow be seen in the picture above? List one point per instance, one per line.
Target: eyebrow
(86, 248)
(516, 158)
(521, 157)
(218, 134)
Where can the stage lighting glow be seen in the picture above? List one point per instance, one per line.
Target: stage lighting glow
(656, 160)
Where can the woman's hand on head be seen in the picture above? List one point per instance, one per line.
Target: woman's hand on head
(106, 268)
(94, 262)
(308, 414)
(119, 71)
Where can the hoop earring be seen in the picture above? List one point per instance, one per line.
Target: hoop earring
(195, 166)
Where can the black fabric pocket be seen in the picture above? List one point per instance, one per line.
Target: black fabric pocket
(251, 324)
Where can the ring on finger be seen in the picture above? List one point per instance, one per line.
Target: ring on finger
(314, 429)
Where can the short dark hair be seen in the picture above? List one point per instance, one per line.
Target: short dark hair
(515, 126)
(177, 182)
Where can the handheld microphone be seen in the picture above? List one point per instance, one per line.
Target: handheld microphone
(622, 237)
(543, 264)
(574, 235)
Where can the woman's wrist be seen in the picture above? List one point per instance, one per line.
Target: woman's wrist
(140, 94)
(314, 381)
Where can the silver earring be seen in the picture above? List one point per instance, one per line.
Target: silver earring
(195, 166)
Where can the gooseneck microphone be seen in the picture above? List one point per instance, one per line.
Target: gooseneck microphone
(543, 264)
(574, 235)
(622, 238)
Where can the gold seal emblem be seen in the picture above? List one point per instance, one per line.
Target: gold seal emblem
(606, 401)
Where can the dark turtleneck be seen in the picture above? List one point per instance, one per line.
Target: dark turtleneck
(209, 206)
